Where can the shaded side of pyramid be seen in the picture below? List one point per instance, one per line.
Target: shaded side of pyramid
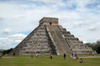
(50, 38)
(75, 44)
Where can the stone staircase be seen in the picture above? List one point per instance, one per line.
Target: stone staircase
(58, 39)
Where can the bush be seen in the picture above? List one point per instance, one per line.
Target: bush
(6, 51)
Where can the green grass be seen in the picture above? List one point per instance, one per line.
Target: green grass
(88, 55)
(46, 61)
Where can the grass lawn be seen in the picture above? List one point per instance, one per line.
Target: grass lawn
(46, 61)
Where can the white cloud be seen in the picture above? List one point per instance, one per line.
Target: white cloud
(21, 36)
(48, 0)
(5, 42)
(83, 23)
(8, 11)
(18, 41)
(0, 43)
(57, 2)
(80, 23)
(98, 6)
(7, 31)
(92, 28)
(11, 41)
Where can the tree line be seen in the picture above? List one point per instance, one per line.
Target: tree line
(4, 52)
(95, 46)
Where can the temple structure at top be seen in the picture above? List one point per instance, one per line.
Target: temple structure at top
(49, 21)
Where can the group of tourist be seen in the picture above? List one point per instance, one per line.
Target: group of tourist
(73, 56)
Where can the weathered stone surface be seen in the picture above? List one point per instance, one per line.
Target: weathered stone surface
(51, 38)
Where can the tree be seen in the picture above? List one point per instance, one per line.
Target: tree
(92, 45)
(95, 46)
(7, 51)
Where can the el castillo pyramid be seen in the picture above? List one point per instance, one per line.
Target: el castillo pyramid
(51, 38)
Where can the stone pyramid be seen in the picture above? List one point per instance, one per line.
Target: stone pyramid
(50, 38)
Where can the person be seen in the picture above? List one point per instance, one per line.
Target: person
(81, 60)
(13, 54)
(92, 54)
(1, 55)
(50, 57)
(31, 55)
(76, 57)
(64, 56)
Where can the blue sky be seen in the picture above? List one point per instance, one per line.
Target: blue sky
(19, 17)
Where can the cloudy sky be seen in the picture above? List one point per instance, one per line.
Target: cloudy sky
(19, 17)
